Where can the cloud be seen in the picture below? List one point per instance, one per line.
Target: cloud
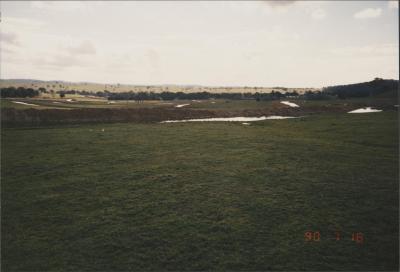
(393, 5)
(279, 3)
(119, 61)
(9, 42)
(7, 50)
(84, 48)
(152, 58)
(75, 55)
(58, 5)
(368, 13)
(375, 50)
(41, 4)
(280, 6)
(318, 14)
(9, 38)
(18, 24)
(59, 61)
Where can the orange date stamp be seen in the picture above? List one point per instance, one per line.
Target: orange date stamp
(315, 236)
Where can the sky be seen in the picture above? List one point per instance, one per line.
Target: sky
(220, 43)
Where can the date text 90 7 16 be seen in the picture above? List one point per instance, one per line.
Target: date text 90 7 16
(315, 236)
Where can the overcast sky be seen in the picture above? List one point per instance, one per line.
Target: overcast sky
(261, 43)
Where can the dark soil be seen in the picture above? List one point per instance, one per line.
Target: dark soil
(32, 117)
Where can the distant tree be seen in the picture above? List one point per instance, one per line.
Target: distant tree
(19, 92)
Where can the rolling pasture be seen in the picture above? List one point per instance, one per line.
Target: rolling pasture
(203, 196)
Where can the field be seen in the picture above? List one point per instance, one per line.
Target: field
(203, 196)
(80, 101)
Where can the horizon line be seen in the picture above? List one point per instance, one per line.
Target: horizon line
(179, 85)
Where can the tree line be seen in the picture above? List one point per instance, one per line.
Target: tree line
(371, 88)
(18, 92)
(166, 95)
(198, 96)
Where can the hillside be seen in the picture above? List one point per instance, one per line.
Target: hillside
(376, 88)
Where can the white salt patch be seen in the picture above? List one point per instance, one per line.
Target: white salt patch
(365, 110)
(23, 103)
(229, 119)
(55, 102)
(213, 102)
(181, 105)
(293, 105)
(246, 124)
(275, 117)
(196, 101)
(69, 100)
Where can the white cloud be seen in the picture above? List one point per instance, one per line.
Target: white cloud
(9, 38)
(393, 4)
(61, 61)
(318, 14)
(368, 13)
(280, 6)
(280, 3)
(58, 5)
(84, 48)
(374, 50)
(153, 58)
(120, 62)
(18, 24)
(40, 4)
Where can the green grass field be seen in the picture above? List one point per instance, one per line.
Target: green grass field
(79, 103)
(202, 196)
(84, 102)
(217, 104)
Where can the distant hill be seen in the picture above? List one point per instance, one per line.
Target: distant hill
(378, 88)
(22, 81)
(59, 85)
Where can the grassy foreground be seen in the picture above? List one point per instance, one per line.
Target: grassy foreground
(201, 196)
